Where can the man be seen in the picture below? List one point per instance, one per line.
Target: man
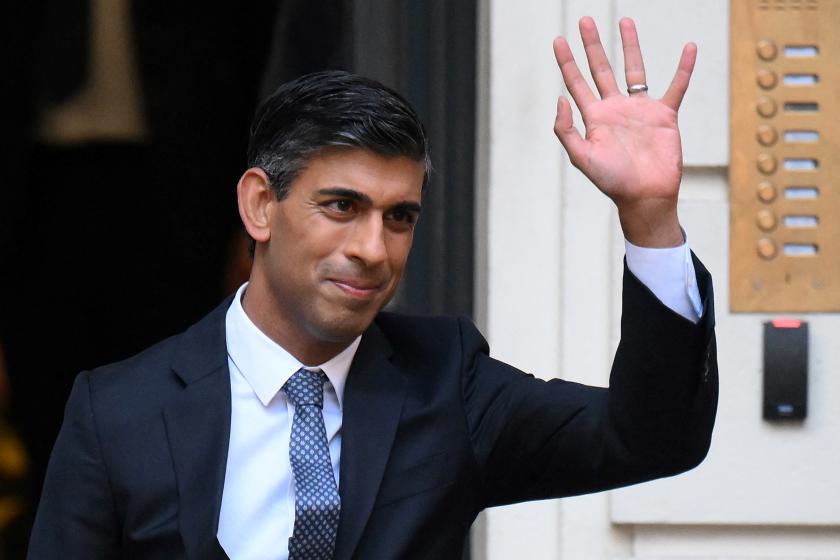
(297, 420)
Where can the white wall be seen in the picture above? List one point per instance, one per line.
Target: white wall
(524, 266)
(550, 279)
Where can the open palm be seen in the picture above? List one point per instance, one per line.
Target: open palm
(631, 150)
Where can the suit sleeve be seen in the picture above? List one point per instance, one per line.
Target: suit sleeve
(76, 517)
(536, 439)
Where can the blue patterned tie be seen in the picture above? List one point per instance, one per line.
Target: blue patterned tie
(317, 503)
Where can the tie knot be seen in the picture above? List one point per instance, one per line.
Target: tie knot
(306, 387)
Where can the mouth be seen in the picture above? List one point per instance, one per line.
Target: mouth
(357, 288)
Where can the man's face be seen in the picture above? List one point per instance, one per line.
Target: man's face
(339, 242)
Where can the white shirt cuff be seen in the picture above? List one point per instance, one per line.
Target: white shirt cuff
(669, 274)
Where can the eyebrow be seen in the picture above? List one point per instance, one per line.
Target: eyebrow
(345, 193)
(407, 207)
(403, 206)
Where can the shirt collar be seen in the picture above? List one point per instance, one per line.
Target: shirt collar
(266, 365)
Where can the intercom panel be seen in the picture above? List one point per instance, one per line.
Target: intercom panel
(785, 162)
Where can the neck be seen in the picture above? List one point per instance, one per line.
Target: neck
(267, 315)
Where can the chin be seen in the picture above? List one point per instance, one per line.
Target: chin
(340, 321)
(344, 329)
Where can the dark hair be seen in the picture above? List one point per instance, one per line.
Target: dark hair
(331, 108)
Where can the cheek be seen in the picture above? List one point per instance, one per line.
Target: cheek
(399, 246)
(309, 243)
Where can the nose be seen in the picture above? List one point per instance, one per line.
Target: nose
(366, 242)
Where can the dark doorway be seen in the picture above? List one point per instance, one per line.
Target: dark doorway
(108, 246)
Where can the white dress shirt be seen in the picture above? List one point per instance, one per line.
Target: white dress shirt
(258, 502)
(669, 274)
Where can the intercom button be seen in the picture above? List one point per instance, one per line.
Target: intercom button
(766, 248)
(766, 49)
(766, 107)
(767, 79)
(766, 163)
(766, 220)
(766, 191)
(767, 135)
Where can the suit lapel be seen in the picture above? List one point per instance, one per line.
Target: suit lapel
(198, 428)
(373, 399)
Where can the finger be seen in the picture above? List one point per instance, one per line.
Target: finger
(599, 65)
(676, 91)
(568, 135)
(634, 66)
(577, 86)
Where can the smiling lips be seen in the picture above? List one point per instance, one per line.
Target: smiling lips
(357, 288)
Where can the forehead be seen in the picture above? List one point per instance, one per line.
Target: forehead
(382, 178)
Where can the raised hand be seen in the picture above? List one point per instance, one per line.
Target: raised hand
(632, 150)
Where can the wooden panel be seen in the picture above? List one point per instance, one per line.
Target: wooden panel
(785, 192)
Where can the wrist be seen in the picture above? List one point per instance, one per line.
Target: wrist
(651, 223)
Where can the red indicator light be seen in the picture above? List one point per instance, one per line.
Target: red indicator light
(787, 323)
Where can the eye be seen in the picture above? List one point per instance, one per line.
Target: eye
(341, 205)
(403, 218)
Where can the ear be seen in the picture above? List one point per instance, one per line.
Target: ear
(255, 195)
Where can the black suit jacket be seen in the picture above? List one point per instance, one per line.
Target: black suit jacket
(434, 431)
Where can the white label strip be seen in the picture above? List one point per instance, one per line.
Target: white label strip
(801, 193)
(801, 164)
(801, 221)
(801, 79)
(800, 249)
(801, 136)
(801, 51)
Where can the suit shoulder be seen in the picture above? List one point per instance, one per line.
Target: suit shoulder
(151, 369)
(418, 329)
(430, 336)
(137, 372)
